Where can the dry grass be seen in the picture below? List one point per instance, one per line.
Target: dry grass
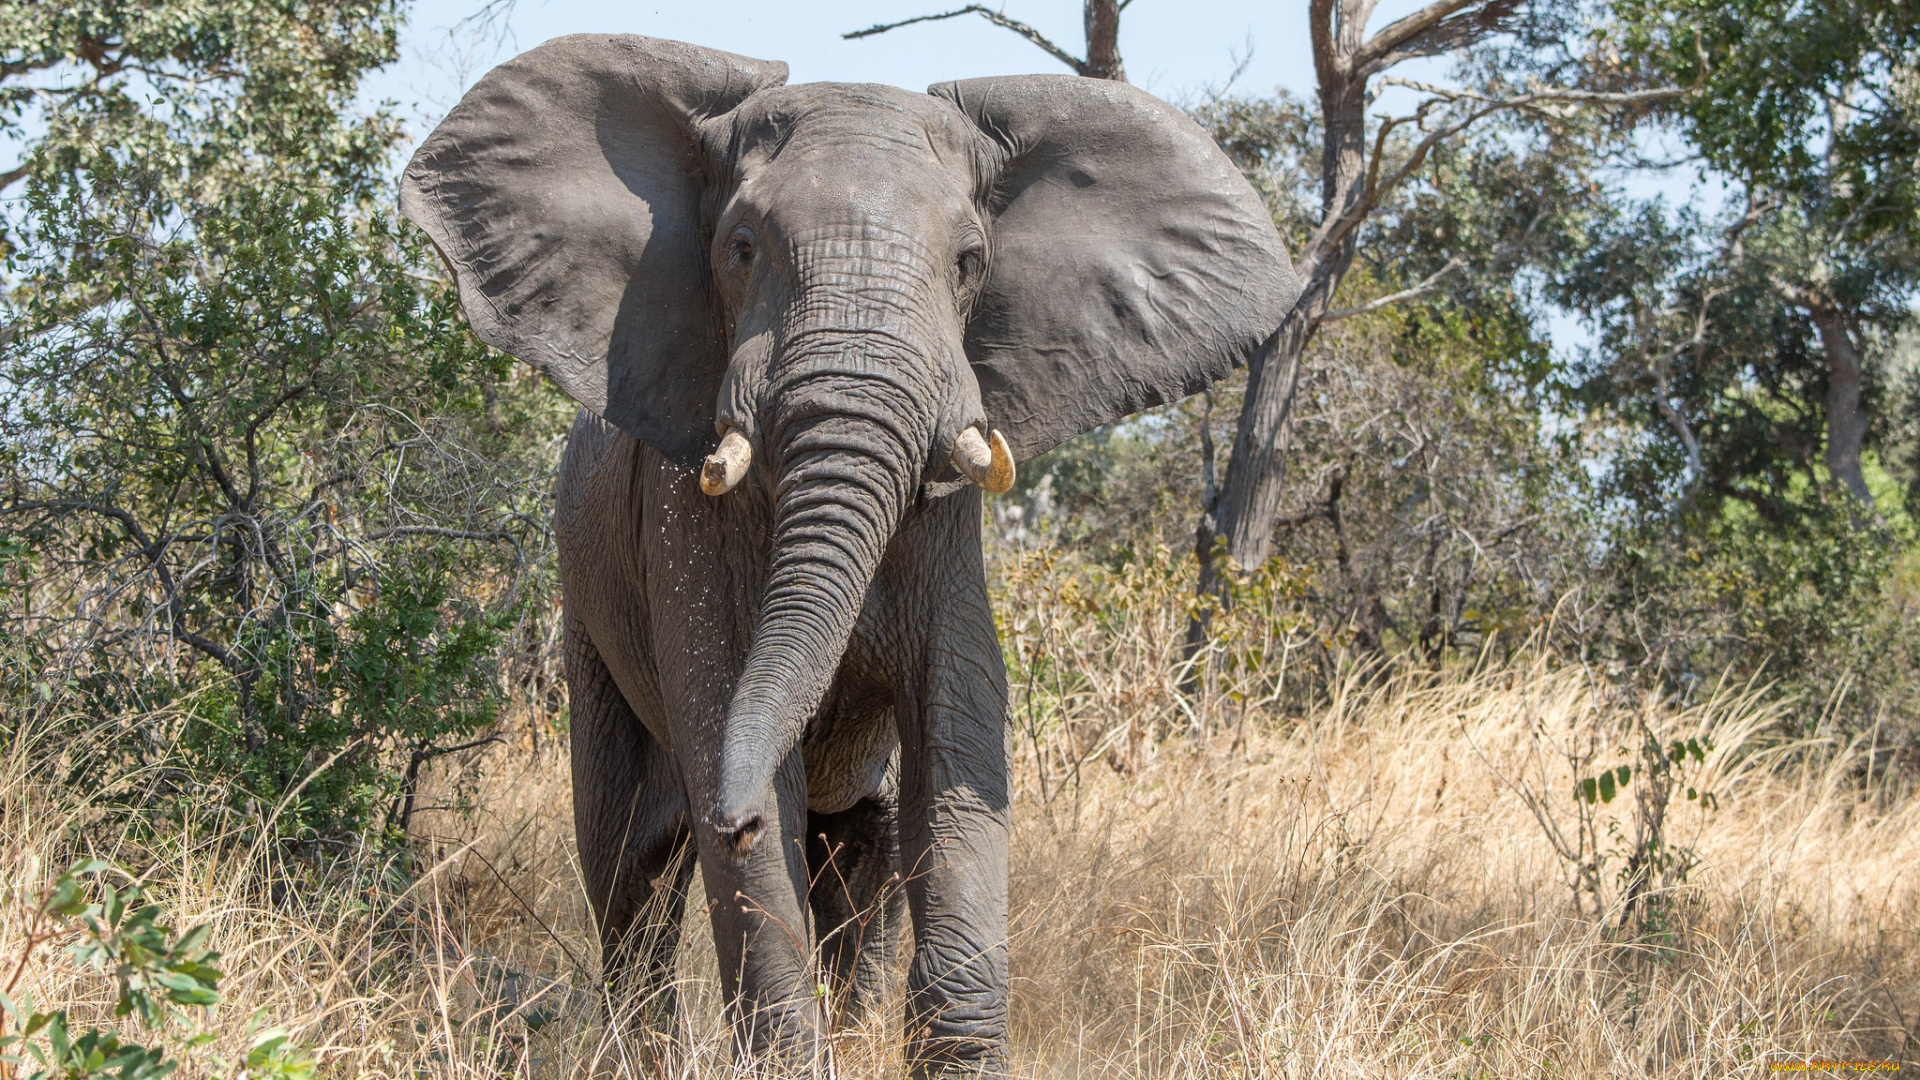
(1361, 890)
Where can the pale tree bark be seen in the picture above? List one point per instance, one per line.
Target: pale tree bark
(1846, 420)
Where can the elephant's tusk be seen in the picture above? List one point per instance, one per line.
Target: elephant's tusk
(991, 467)
(727, 464)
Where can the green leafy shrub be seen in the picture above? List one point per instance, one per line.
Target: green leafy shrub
(255, 474)
(165, 979)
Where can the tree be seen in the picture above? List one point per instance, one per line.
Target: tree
(1361, 166)
(1430, 498)
(1742, 390)
(255, 477)
(272, 71)
(1810, 111)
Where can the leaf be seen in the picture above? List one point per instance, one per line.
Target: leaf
(195, 996)
(1606, 786)
(1589, 790)
(67, 899)
(1623, 774)
(193, 939)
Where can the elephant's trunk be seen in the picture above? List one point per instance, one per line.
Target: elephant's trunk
(845, 480)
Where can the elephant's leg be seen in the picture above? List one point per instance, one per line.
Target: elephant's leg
(953, 839)
(630, 821)
(757, 901)
(853, 857)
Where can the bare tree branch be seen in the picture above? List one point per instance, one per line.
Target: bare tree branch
(1432, 281)
(1540, 96)
(1438, 28)
(435, 530)
(1376, 189)
(496, 537)
(1427, 285)
(1401, 31)
(155, 554)
(1078, 65)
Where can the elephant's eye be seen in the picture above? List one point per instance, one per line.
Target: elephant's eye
(741, 248)
(971, 262)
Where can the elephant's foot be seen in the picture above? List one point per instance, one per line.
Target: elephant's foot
(784, 1040)
(957, 1032)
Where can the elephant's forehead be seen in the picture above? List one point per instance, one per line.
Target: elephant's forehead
(858, 119)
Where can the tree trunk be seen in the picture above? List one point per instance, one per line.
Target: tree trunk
(1103, 41)
(1344, 58)
(1256, 471)
(1846, 420)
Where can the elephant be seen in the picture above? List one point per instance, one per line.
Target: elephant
(808, 326)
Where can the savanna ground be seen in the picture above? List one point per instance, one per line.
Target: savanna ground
(1401, 878)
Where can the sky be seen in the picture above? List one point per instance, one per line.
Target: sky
(1177, 49)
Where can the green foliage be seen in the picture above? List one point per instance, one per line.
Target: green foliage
(1810, 600)
(1809, 112)
(253, 468)
(1657, 761)
(1812, 100)
(408, 668)
(155, 970)
(1651, 864)
(1753, 525)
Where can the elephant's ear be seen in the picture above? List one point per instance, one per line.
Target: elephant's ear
(565, 193)
(1131, 263)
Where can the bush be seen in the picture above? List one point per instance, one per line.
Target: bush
(252, 464)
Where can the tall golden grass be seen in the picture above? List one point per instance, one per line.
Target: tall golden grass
(1231, 881)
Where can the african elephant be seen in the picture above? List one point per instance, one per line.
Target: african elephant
(807, 325)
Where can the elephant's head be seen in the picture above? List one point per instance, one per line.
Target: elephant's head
(871, 294)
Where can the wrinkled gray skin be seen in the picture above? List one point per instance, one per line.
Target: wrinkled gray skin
(799, 680)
